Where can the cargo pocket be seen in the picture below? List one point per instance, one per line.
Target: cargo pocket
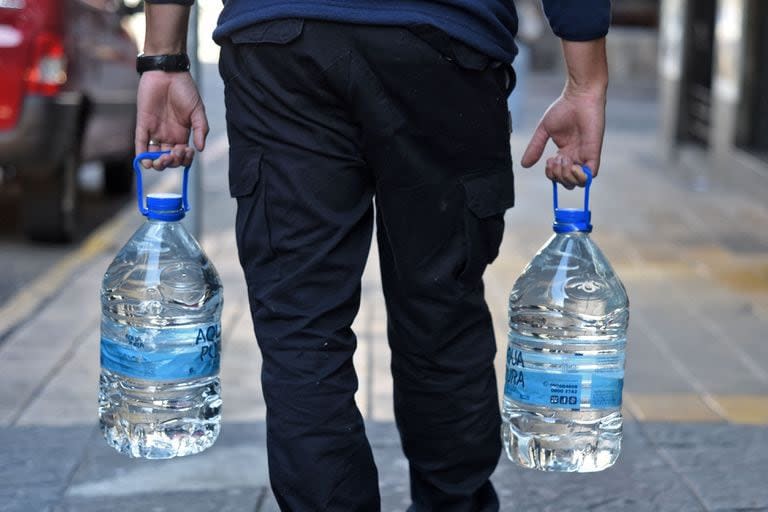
(488, 195)
(248, 186)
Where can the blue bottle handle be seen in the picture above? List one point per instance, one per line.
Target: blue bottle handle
(154, 155)
(588, 172)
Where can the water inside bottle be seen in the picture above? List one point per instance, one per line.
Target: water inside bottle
(159, 390)
(568, 315)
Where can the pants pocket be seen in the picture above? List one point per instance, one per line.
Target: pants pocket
(252, 228)
(487, 196)
(442, 236)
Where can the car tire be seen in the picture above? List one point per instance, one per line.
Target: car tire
(50, 205)
(118, 177)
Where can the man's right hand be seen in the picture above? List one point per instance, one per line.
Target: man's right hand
(168, 107)
(168, 104)
(575, 122)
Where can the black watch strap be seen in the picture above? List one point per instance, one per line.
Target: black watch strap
(176, 63)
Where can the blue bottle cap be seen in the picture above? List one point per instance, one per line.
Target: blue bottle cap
(167, 207)
(568, 220)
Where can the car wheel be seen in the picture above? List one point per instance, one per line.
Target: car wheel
(49, 205)
(118, 177)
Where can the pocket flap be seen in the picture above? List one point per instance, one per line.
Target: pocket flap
(244, 171)
(490, 193)
(271, 32)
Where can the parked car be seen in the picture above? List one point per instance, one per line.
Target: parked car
(67, 95)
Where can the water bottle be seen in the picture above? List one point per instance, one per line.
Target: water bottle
(568, 317)
(161, 301)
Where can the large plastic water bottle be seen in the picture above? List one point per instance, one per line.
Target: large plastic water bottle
(568, 317)
(161, 304)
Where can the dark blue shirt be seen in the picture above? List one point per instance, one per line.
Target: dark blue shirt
(487, 25)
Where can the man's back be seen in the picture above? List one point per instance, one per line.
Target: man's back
(489, 26)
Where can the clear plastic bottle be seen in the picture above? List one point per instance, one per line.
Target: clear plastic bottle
(568, 318)
(161, 300)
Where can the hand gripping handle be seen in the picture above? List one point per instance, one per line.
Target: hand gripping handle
(154, 155)
(588, 172)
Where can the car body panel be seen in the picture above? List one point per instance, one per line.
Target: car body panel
(95, 107)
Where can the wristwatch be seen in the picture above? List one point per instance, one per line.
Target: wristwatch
(176, 63)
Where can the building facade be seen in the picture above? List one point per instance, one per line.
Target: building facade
(713, 66)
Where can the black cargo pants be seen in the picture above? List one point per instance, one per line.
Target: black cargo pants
(323, 117)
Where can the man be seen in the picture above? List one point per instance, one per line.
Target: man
(331, 103)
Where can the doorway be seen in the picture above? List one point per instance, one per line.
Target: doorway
(697, 86)
(752, 134)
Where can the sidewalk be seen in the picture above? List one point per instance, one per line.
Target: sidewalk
(696, 392)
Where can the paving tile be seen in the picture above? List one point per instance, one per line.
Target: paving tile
(30, 358)
(744, 409)
(648, 367)
(230, 500)
(36, 464)
(29, 498)
(236, 461)
(40, 455)
(725, 465)
(69, 397)
(709, 365)
(737, 319)
(640, 481)
(677, 407)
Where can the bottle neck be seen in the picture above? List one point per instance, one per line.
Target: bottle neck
(572, 234)
(166, 222)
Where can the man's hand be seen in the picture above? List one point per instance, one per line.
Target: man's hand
(168, 106)
(576, 120)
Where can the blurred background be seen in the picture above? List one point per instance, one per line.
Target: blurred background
(680, 209)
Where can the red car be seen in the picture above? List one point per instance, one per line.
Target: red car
(67, 95)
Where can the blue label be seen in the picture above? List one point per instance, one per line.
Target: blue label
(545, 389)
(606, 390)
(162, 354)
(538, 379)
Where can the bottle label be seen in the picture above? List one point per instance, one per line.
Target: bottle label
(606, 390)
(170, 353)
(557, 389)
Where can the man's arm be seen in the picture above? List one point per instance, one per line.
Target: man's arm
(167, 25)
(576, 120)
(168, 103)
